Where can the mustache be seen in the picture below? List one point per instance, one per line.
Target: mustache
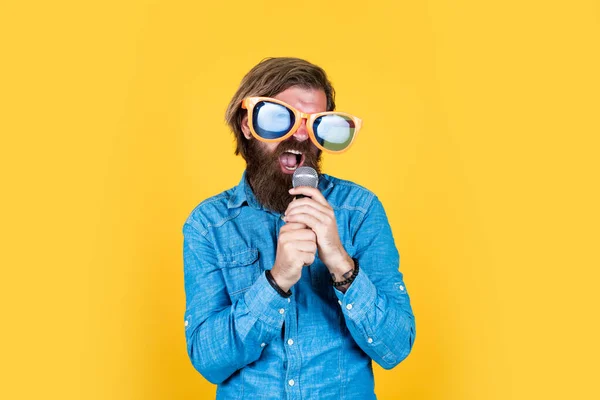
(303, 147)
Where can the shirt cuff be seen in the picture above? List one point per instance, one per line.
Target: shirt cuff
(359, 297)
(265, 303)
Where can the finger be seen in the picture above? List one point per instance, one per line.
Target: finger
(306, 246)
(313, 193)
(310, 202)
(307, 209)
(292, 226)
(306, 219)
(300, 234)
(308, 258)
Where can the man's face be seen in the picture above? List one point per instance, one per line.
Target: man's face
(270, 166)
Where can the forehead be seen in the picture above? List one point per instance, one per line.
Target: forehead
(304, 99)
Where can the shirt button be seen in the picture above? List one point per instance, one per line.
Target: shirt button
(290, 342)
(348, 306)
(289, 299)
(263, 344)
(340, 302)
(186, 323)
(281, 311)
(401, 288)
(370, 340)
(291, 382)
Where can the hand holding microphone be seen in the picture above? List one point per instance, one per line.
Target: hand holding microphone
(310, 225)
(315, 212)
(297, 243)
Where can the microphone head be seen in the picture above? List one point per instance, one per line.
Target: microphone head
(305, 176)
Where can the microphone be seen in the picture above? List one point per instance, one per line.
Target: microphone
(305, 176)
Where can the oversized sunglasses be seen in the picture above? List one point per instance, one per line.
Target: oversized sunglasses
(272, 120)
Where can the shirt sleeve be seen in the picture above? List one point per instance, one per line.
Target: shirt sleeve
(223, 337)
(376, 306)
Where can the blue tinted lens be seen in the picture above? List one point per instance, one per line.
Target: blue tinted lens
(334, 132)
(272, 120)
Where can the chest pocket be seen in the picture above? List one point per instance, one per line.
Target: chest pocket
(240, 269)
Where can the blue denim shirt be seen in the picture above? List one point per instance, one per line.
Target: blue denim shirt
(317, 344)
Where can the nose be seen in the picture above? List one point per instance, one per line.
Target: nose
(301, 133)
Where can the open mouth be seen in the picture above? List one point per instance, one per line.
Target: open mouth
(290, 160)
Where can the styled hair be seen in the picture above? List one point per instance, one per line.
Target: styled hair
(268, 78)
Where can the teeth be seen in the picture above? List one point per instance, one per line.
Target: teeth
(290, 168)
(294, 152)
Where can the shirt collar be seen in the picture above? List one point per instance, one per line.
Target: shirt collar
(243, 192)
(240, 193)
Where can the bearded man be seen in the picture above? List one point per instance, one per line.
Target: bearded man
(289, 297)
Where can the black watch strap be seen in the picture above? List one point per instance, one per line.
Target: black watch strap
(276, 286)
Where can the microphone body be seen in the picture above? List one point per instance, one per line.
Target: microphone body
(305, 176)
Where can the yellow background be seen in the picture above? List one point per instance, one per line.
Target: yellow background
(480, 138)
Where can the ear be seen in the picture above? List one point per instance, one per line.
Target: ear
(246, 128)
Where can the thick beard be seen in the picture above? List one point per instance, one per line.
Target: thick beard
(269, 184)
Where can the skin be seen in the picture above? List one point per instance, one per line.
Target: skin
(310, 221)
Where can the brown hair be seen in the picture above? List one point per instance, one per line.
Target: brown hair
(270, 77)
